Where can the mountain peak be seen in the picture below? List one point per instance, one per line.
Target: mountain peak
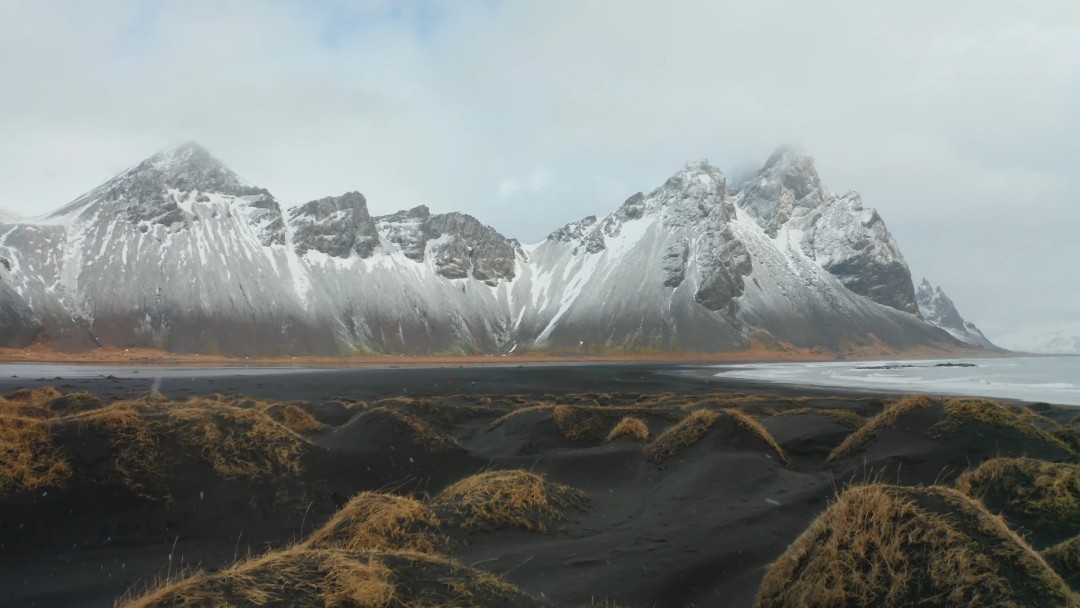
(940, 311)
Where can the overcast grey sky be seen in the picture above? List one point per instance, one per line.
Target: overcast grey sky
(959, 121)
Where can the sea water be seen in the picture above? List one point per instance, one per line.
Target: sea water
(1051, 379)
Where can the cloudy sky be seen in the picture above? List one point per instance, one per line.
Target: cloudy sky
(959, 121)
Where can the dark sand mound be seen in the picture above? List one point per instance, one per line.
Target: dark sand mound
(542, 427)
(919, 440)
(711, 429)
(382, 428)
(149, 493)
(373, 521)
(1034, 495)
(881, 545)
(1064, 558)
(811, 432)
(525, 431)
(73, 403)
(507, 499)
(143, 442)
(312, 577)
(629, 428)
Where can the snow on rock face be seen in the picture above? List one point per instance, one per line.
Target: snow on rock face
(335, 225)
(465, 248)
(180, 253)
(846, 239)
(938, 310)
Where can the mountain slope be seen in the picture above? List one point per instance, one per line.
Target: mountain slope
(939, 311)
(180, 253)
(846, 239)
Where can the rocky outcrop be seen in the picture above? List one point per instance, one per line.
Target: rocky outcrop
(335, 225)
(18, 326)
(846, 239)
(938, 310)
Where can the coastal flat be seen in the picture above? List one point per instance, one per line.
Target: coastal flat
(658, 487)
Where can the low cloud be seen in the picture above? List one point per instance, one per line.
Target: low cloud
(957, 120)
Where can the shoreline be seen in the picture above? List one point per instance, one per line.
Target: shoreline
(113, 355)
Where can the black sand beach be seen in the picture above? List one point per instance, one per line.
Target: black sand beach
(689, 487)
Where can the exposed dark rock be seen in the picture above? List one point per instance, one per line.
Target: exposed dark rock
(336, 226)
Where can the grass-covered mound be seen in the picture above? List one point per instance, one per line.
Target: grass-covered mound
(586, 424)
(880, 545)
(1040, 496)
(235, 442)
(630, 428)
(1064, 557)
(386, 428)
(969, 426)
(730, 426)
(29, 456)
(374, 521)
(330, 578)
(507, 499)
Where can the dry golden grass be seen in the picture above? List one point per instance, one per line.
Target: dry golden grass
(28, 457)
(629, 428)
(846, 418)
(373, 521)
(960, 414)
(591, 424)
(887, 418)
(285, 578)
(695, 426)
(236, 442)
(38, 397)
(882, 545)
(584, 424)
(519, 411)
(423, 434)
(300, 576)
(1064, 558)
(292, 417)
(1044, 493)
(515, 498)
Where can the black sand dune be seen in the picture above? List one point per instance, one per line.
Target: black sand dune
(470, 488)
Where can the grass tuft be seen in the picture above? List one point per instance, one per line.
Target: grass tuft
(372, 521)
(697, 425)
(879, 545)
(1064, 558)
(28, 457)
(629, 428)
(1035, 493)
(517, 499)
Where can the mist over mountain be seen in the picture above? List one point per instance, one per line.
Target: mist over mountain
(182, 254)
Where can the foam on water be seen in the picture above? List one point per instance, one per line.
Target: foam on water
(1048, 379)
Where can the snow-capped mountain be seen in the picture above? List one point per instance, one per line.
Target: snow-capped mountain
(938, 310)
(179, 252)
(1059, 342)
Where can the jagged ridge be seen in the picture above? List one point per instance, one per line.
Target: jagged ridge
(179, 252)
